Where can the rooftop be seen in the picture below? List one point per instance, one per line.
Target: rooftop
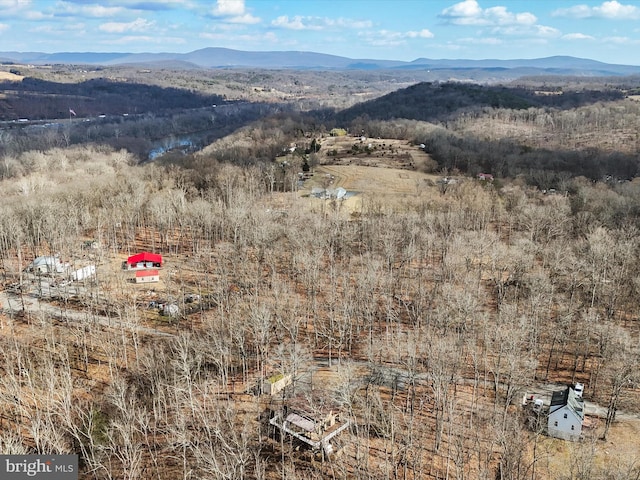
(567, 397)
(147, 273)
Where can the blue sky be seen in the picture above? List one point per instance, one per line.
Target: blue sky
(376, 29)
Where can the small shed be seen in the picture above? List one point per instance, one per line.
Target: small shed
(142, 261)
(147, 276)
(276, 383)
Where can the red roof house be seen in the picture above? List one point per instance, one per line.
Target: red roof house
(147, 276)
(143, 260)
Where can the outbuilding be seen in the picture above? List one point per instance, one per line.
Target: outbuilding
(143, 261)
(83, 273)
(147, 276)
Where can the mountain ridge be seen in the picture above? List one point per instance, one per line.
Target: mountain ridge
(217, 57)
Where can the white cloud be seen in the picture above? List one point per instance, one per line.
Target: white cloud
(544, 31)
(134, 4)
(497, 21)
(348, 23)
(299, 22)
(481, 40)
(389, 38)
(14, 4)
(612, 10)
(138, 25)
(152, 5)
(95, 10)
(463, 11)
(226, 8)
(539, 31)
(469, 12)
(294, 23)
(3, 27)
(616, 10)
(234, 11)
(246, 19)
(424, 33)
(577, 36)
(9, 8)
(99, 11)
(577, 11)
(384, 38)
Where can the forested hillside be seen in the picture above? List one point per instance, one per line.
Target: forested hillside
(443, 101)
(421, 312)
(37, 99)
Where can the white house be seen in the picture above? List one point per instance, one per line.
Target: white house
(566, 414)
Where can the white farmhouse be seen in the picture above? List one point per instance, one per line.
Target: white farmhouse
(566, 414)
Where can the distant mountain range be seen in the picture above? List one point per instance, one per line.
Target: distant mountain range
(227, 58)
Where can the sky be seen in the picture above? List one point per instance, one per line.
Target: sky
(608, 31)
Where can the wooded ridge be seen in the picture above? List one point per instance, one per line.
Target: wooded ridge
(352, 256)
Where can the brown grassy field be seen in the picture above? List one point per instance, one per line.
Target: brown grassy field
(12, 77)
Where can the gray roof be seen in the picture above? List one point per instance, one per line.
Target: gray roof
(45, 260)
(560, 397)
(567, 397)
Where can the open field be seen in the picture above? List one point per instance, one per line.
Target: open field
(393, 172)
(12, 77)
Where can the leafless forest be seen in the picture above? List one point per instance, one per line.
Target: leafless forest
(422, 317)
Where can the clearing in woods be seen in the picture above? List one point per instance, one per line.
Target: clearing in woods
(385, 168)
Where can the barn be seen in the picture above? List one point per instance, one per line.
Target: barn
(142, 261)
(147, 276)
